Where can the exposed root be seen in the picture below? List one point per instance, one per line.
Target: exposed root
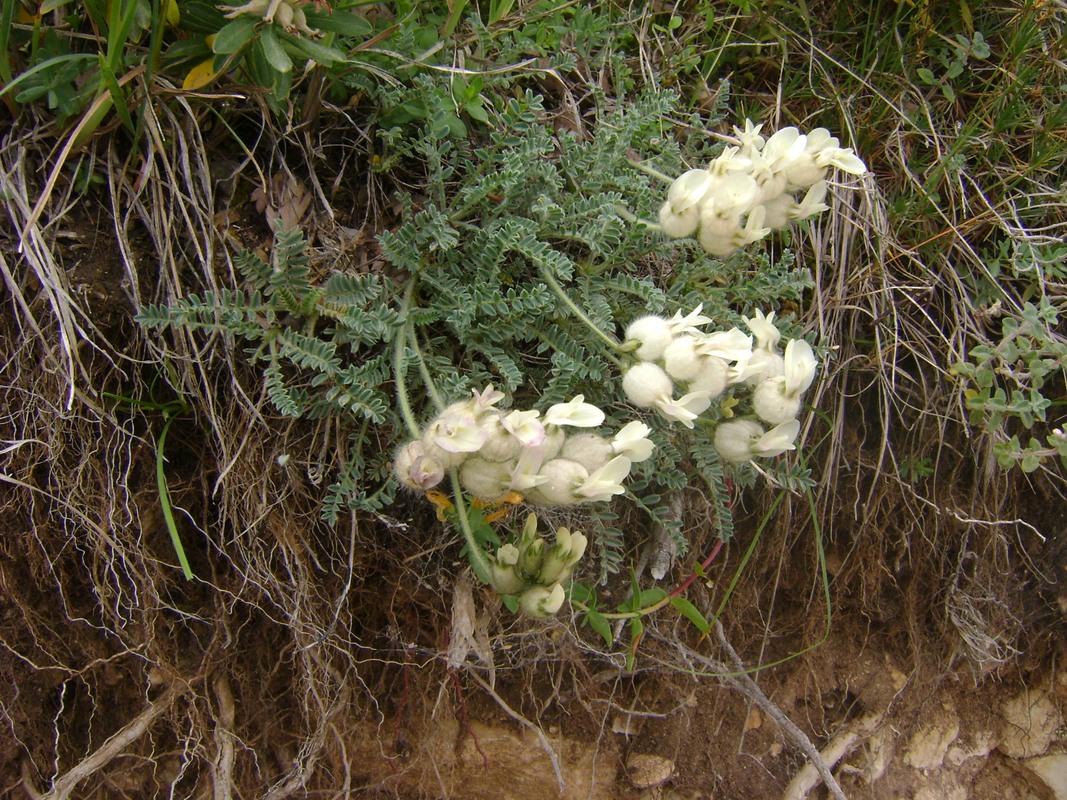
(116, 745)
(844, 743)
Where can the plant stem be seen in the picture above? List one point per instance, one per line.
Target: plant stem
(398, 364)
(424, 371)
(479, 560)
(553, 284)
(624, 213)
(655, 173)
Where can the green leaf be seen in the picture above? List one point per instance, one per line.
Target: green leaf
(599, 623)
(649, 597)
(476, 112)
(274, 52)
(202, 18)
(691, 613)
(341, 22)
(235, 36)
(319, 53)
(926, 76)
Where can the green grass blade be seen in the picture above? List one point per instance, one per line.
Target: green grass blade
(164, 500)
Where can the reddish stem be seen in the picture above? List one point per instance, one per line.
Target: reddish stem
(697, 573)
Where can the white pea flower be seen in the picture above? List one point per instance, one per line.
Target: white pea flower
(812, 203)
(729, 162)
(679, 324)
(777, 440)
(562, 476)
(540, 602)
(734, 195)
(457, 432)
(632, 441)
(485, 399)
(734, 439)
(500, 445)
(289, 14)
(606, 482)
(526, 475)
(731, 345)
(800, 366)
(783, 148)
(680, 215)
(777, 399)
(525, 427)
(576, 413)
(689, 190)
(755, 227)
(845, 160)
(685, 409)
(764, 330)
(771, 184)
(744, 439)
(750, 138)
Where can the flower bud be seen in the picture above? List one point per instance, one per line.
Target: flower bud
(531, 556)
(560, 561)
(588, 449)
(562, 476)
(645, 384)
(415, 469)
(734, 439)
(540, 602)
(505, 579)
(488, 481)
(773, 404)
(653, 333)
(681, 359)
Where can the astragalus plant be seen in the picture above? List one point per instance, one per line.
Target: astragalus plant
(518, 349)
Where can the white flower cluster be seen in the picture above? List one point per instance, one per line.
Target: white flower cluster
(751, 189)
(288, 13)
(499, 452)
(673, 353)
(535, 572)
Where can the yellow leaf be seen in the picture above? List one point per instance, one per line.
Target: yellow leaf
(200, 75)
(170, 12)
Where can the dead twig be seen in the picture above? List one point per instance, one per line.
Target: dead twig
(742, 682)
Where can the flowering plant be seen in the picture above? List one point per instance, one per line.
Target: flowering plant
(751, 188)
